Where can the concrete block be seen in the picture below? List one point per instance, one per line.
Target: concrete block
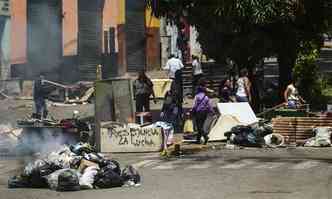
(120, 137)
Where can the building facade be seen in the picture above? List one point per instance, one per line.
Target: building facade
(67, 39)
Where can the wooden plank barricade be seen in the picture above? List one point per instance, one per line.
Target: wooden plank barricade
(298, 129)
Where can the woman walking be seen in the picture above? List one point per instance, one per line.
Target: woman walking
(202, 107)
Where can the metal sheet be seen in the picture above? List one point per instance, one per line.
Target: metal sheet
(241, 111)
(113, 102)
(135, 35)
(89, 37)
(44, 36)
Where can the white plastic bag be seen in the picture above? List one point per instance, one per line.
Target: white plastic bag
(87, 179)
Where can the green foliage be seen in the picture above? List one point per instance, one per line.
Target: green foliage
(246, 31)
(306, 75)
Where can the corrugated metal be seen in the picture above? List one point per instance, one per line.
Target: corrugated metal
(89, 37)
(298, 129)
(135, 35)
(44, 36)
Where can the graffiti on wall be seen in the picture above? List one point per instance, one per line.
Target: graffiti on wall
(123, 137)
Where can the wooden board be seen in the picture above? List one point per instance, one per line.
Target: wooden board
(298, 129)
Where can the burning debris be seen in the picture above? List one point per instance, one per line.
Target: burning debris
(73, 168)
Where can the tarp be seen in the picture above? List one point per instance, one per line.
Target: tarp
(225, 123)
(241, 111)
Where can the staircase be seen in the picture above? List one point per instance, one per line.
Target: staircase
(325, 60)
(212, 73)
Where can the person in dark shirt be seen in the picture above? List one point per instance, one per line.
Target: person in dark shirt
(39, 97)
(170, 110)
(143, 88)
(225, 91)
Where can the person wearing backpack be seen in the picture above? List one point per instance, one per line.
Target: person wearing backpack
(170, 110)
(201, 109)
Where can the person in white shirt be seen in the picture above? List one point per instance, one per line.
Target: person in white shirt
(173, 64)
(243, 93)
(292, 97)
(197, 72)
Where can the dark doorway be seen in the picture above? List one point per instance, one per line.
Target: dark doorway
(44, 38)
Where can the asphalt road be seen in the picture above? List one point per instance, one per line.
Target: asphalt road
(212, 174)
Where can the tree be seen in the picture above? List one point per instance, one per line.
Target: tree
(248, 30)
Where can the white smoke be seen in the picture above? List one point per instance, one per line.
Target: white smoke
(29, 141)
(44, 140)
(8, 138)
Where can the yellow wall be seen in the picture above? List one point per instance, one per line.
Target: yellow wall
(122, 11)
(151, 21)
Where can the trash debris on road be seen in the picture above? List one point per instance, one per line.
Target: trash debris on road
(322, 137)
(274, 140)
(248, 136)
(74, 168)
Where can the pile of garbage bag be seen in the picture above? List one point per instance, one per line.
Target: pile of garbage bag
(75, 168)
(248, 136)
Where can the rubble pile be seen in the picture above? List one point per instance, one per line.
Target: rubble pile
(73, 168)
(249, 136)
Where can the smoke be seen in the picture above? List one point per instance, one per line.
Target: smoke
(30, 141)
(8, 138)
(43, 140)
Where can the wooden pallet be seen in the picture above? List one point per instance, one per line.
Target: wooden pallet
(298, 129)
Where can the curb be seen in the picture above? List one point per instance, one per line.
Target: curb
(181, 148)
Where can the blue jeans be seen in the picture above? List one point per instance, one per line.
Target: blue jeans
(242, 99)
(41, 108)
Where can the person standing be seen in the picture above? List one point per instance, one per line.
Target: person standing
(173, 64)
(39, 97)
(143, 89)
(243, 93)
(292, 97)
(197, 72)
(201, 108)
(225, 91)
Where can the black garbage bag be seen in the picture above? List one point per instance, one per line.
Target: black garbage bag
(129, 173)
(245, 136)
(18, 182)
(111, 164)
(35, 172)
(68, 180)
(108, 178)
